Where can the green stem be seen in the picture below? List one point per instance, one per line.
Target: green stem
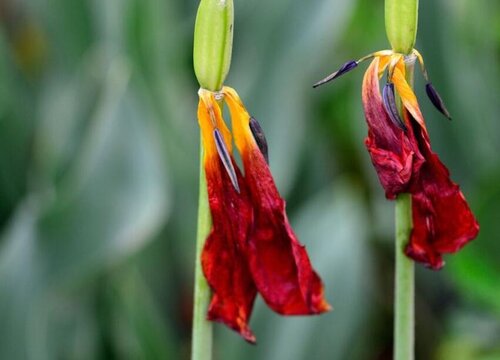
(404, 288)
(401, 22)
(201, 346)
(404, 293)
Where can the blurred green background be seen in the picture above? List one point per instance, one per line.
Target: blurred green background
(99, 166)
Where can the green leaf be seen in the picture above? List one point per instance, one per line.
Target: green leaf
(108, 206)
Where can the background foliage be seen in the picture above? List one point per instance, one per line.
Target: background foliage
(98, 176)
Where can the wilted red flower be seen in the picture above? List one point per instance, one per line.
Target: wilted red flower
(252, 247)
(405, 163)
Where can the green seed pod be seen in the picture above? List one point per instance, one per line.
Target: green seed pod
(213, 42)
(401, 22)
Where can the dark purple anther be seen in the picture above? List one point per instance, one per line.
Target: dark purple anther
(260, 138)
(226, 159)
(348, 66)
(436, 100)
(390, 106)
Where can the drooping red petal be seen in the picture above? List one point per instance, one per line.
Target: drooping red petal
(393, 155)
(224, 264)
(279, 264)
(223, 261)
(442, 220)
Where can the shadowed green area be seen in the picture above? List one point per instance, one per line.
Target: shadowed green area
(99, 170)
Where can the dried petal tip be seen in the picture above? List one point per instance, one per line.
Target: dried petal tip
(390, 106)
(348, 66)
(436, 100)
(226, 159)
(259, 137)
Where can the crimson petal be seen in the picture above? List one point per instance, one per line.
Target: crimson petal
(279, 264)
(223, 260)
(394, 157)
(442, 220)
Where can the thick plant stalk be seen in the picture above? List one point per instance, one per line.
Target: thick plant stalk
(401, 23)
(404, 285)
(201, 346)
(404, 290)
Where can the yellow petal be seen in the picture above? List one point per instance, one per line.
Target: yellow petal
(400, 64)
(407, 96)
(383, 62)
(210, 118)
(240, 120)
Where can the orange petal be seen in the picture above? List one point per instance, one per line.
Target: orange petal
(240, 120)
(443, 222)
(400, 64)
(209, 119)
(215, 134)
(383, 62)
(407, 96)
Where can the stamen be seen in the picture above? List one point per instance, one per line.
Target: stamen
(390, 106)
(348, 66)
(430, 90)
(259, 137)
(351, 64)
(422, 65)
(226, 159)
(436, 100)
